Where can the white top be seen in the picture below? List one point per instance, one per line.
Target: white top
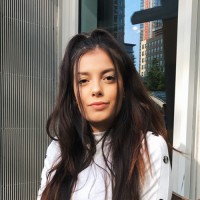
(93, 182)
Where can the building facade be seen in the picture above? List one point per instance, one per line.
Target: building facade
(33, 39)
(151, 46)
(129, 49)
(28, 46)
(150, 50)
(103, 14)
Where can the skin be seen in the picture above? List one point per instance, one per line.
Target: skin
(98, 89)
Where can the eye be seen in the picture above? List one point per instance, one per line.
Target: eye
(109, 78)
(82, 81)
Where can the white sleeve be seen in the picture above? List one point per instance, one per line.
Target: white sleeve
(52, 157)
(157, 184)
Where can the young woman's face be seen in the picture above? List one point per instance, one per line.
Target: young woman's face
(98, 89)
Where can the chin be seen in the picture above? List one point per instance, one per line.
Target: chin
(98, 120)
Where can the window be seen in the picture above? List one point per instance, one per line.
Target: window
(115, 9)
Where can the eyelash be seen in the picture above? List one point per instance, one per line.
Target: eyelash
(82, 81)
(109, 78)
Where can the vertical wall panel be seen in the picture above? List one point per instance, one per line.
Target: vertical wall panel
(27, 82)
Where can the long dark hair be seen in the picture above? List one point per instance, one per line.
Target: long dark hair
(74, 135)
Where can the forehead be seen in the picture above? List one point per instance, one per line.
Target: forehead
(96, 59)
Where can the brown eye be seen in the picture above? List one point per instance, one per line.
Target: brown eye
(109, 79)
(82, 81)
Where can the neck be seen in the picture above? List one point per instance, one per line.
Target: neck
(96, 128)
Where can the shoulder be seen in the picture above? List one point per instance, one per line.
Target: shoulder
(53, 153)
(52, 158)
(158, 154)
(156, 144)
(158, 174)
(53, 146)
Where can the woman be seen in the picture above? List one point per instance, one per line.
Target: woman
(109, 141)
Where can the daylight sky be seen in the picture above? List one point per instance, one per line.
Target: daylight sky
(132, 32)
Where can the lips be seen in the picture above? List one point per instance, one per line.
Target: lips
(99, 105)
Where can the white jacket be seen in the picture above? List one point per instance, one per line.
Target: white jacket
(94, 181)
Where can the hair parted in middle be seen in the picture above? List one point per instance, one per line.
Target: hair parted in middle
(126, 134)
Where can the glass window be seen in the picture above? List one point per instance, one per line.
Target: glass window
(152, 32)
(116, 16)
(115, 9)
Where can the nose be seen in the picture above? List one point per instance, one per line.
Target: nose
(96, 89)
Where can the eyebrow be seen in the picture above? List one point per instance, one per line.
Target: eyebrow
(103, 72)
